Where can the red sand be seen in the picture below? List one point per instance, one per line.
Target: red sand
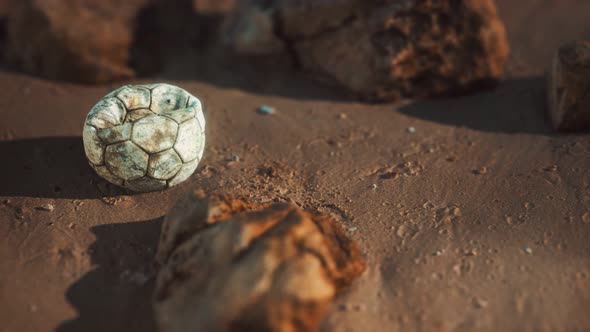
(480, 219)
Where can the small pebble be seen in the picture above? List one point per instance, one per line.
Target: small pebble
(437, 253)
(33, 308)
(411, 130)
(235, 158)
(46, 207)
(552, 168)
(359, 307)
(480, 303)
(528, 250)
(481, 171)
(267, 110)
(374, 186)
(344, 307)
(137, 278)
(352, 229)
(19, 213)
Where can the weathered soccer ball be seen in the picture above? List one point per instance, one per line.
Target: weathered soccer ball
(145, 137)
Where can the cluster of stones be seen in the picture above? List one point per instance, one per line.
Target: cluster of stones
(380, 50)
(145, 137)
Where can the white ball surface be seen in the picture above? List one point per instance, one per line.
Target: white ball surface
(145, 137)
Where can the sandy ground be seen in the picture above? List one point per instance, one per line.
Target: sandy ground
(480, 219)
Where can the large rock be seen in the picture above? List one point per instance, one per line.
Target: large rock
(73, 40)
(211, 7)
(380, 50)
(569, 88)
(227, 265)
(5, 7)
(103, 41)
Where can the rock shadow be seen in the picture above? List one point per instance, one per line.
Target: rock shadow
(514, 106)
(173, 42)
(50, 167)
(116, 295)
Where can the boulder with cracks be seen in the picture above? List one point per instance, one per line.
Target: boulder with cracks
(380, 50)
(228, 265)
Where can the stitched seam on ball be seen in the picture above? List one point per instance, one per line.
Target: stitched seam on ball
(178, 153)
(175, 174)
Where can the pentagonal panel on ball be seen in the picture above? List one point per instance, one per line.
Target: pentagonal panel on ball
(164, 165)
(150, 86)
(201, 145)
(154, 133)
(137, 114)
(115, 134)
(104, 172)
(134, 97)
(145, 184)
(126, 160)
(108, 112)
(93, 145)
(180, 115)
(195, 104)
(167, 98)
(187, 142)
(186, 170)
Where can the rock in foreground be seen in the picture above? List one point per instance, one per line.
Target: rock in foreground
(214, 6)
(227, 265)
(381, 50)
(569, 88)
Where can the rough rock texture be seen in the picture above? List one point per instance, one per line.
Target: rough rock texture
(380, 49)
(569, 88)
(73, 40)
(227, 265)
(5, 7)
(214, 6)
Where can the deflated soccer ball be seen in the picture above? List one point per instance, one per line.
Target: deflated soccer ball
(145, 137)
